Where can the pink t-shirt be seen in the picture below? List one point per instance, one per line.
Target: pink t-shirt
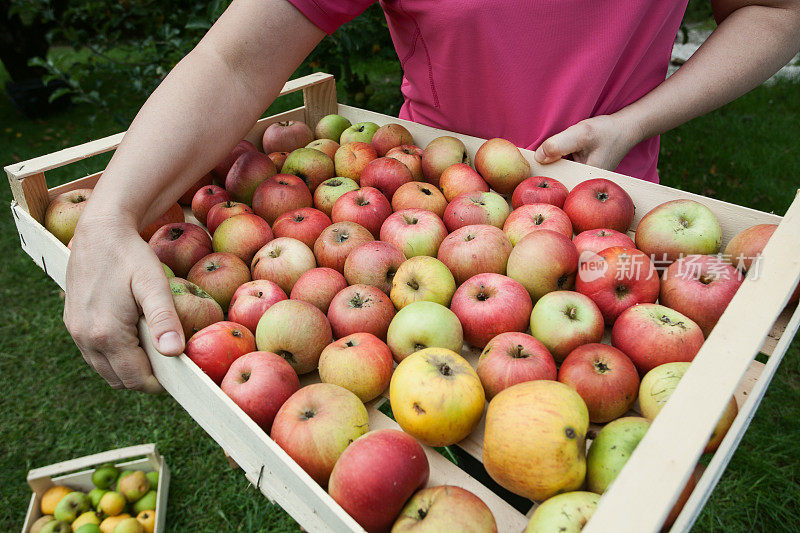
(523, 70)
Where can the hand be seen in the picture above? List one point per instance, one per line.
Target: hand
(113, 276)
(600, 141)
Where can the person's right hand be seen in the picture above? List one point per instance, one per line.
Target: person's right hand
(113, 277)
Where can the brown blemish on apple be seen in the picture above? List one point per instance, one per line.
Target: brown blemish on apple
(421, 514)
(351, 343)
(333, 183)
(570, 433)
(175, 233)
(418, 409)
(426, 191)
(78, 199)
(358, 301)
(413, 284)
(562, 281)
(621, 291)
(666, 320)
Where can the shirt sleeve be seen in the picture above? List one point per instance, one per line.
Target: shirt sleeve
(328, 15)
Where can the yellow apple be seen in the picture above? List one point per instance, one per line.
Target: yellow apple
(52, 496)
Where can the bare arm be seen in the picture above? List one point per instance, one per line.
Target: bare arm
(198, 113)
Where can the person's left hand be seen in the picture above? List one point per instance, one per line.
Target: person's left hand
(600, 141)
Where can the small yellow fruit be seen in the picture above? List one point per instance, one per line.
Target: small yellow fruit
(129, 525)
(108, 525)
(89, 517)
(52, 496)
(112, 503)
(148, 520)
(41, 522)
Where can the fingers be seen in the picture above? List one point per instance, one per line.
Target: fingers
(132, 366)
(101, 365)
(572, 140)
(151, 290)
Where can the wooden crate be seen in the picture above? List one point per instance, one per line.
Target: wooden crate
(77, 474)
(647, 487)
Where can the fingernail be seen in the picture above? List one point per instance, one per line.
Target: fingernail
(152, 386)
(170, 342)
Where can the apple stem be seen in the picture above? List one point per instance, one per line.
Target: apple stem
(444, 369)
(413, 284)
(422, 513)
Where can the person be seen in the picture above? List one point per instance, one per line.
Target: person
(585, 79)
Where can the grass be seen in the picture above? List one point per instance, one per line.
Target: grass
(56, 408)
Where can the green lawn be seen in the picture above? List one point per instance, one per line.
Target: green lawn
(56, 408)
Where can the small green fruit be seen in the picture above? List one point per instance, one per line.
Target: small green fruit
(105, 476)
(89, 528)
(95, 495)
(71, 506)
(145, 503)
(153, 477)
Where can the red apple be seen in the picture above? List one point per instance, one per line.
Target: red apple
(594, 241)
(599, 203)
(543, 261)
(373, 263)
(604, 377)
(502, 165)
(360, 362)
(259, 383)
(414, 232)
(336, 242)
(416, 195)
(385, 174)
(223, 211)
(564, 320)
(366, 206)
(214, 348)
(390, 136)
(278, 159)
(330, 190)
(246, 174)
(440, 154)
(242, 235)
(512, 358)
(476, 208)
(459, 179)
(410, 156)
(286, 136)
(475, 249)
(489, 304)
(376, 475)
(195, 308)
(220, 274)
(534, 217)
(221, 170)
(180, 246)
(304, 224)
(205, 199)
(360, 308)
(351, 158)
(295, 330)
(283, 261)
(280, 194)
(186, 199)
(310, 165)
(318, 286)
(676, 229)
(617, 278)
(539, 190)
(251, 300)
(172, 215)
(326, 146)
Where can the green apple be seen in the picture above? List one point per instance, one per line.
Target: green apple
(611, 449)
(331, 127)
(565, 513)
(678, 228)
(145, 503)
(95, 495)
(168, 271)
(423, 325)
(359, 132)
(153, 477)
(134, 486)
(71, 506)
(105, 476)
(89, 517)
(129, 525)
(565, 320)
(89, 528)
(422, 278)
(56, 526)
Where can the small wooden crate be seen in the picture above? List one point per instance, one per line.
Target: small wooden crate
(77, 474)
(648, 486)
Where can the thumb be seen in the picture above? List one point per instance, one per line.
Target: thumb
(151, 291)
(559, 145)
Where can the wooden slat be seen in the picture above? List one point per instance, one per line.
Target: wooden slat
(319, 100)
(256, 134)
(30, 194)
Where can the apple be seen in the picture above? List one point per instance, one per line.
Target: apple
(280, 194)
(63, 212)
(326, 146)
(390, 136)
(535, 439)
(336, 242)
(416, 195)
(564, 512)
(195, 308)
(112, 502)
(475, 249)
(330, 190)
(286, 136)
(278, 159)
(316, 424)
(251, 300)
(367, 206)
(611, 449)
(260, 383)
(476, 208)
(214, 348)
(171, 216)
(502, 165)
(422, 278)
(599, 203)
(351, 158)
(359, 132)
(223, 211)
(71, 506)
(490, 304)
(594, 241)
(221, 170)
(700, 287)
(373, 263)
(641, 327)
(539, 190)
(312, 166)
(318, 286)
(376, 475)
(616, 279)
(657, 387)
(564, 320)
(133, 486)
(512, 358)
(331, 127)
(414, 232)
(359, 362)
(445, 508)
(205, 199)
(103, 478)
(440, 154)
(304, 224)
(436, 396)
(246, 174)
(146, 502)
(180, 246)
(220, 274)
(534, 217)
(423, 325)
(360, 308)
(543, 261)
(295, 330)
(678, 228)
(460, 179)
(283, 261)
(385, 174)
(604, 377)
(410, 156)
(242, 235)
